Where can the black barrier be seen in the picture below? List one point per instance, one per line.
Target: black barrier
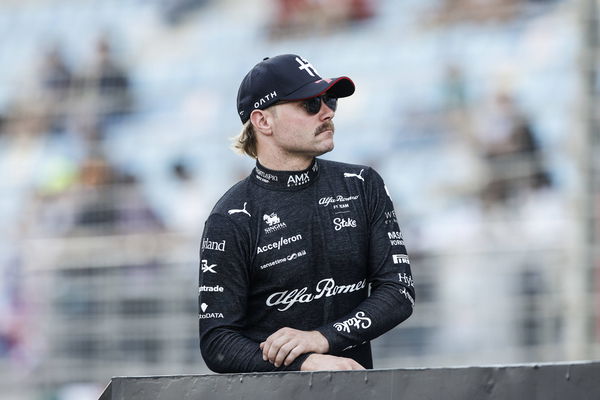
(580, 380)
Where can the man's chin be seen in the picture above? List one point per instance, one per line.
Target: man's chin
(326, 148)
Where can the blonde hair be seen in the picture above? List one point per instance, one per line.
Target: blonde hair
(245, 141)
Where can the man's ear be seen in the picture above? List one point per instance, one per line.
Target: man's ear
(262, 120)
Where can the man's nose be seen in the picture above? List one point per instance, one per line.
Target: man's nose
(326, 112)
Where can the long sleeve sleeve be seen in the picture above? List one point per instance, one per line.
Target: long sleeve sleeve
(392, 293)
(222, 301)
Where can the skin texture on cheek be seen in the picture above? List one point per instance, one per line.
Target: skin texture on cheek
(296, 132)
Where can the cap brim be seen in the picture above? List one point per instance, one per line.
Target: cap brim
(338, 87)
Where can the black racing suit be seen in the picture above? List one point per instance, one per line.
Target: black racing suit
(318, 249)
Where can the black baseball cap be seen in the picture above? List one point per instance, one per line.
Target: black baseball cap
(285, 77)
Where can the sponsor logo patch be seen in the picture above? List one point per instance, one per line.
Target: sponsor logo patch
(390, 217)
(400, 259)
(209, 315)
(326, 201)
(408, 296)
(396, 238)
(353, 175)
(278, 244)
(273, 222)
(207, 244)
(341, 223)
(298, 179)
(306, 66)
(208, 268)
(282, 260)
(266, 177)
(406, 279)
(216, 288)
(324, 288)
(359, 321)
(242, 210)
(265, 98)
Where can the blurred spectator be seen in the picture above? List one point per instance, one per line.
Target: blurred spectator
(96, 199)
(2, 124)
(296, 16)
(507, 142)
(455, 101)
(55, 80)
(42, 104)
(175, 11)
(452, 11)
(25, 118)
(110, 201)
(454, 88)
(106, 87)
(188, 204)
(11, 305)
(56, 97)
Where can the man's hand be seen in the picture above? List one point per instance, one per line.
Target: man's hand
(283, 346)
(326, 362)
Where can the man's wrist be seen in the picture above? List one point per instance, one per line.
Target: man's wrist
(306, 363)
(301, 361)
(321, 342)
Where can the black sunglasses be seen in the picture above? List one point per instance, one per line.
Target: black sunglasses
(313, 105)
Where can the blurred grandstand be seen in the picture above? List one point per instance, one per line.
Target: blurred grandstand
(114, 124)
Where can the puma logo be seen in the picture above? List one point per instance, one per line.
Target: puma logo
(350, 175)
(243, 210)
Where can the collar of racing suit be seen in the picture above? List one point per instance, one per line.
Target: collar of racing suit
(285, 180)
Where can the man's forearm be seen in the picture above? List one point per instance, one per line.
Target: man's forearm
(326, 362)
(227, 351)
(387, 306)
(286, 344)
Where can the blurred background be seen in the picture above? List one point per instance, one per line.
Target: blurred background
(115, 119)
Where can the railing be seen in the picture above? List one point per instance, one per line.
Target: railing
(528, 381)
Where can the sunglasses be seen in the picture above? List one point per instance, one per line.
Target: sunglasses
(313, 105)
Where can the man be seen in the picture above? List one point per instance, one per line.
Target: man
(302, 262)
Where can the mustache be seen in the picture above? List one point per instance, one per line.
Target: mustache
(326, 126)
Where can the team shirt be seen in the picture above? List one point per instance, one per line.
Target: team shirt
(318, 249)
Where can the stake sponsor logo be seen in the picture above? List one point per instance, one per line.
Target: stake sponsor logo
(359, 321)
(340, 223)
(324, 288)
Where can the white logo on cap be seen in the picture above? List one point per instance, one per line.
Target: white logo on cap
(307, 67)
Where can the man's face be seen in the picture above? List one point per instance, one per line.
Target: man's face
(297, 132)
